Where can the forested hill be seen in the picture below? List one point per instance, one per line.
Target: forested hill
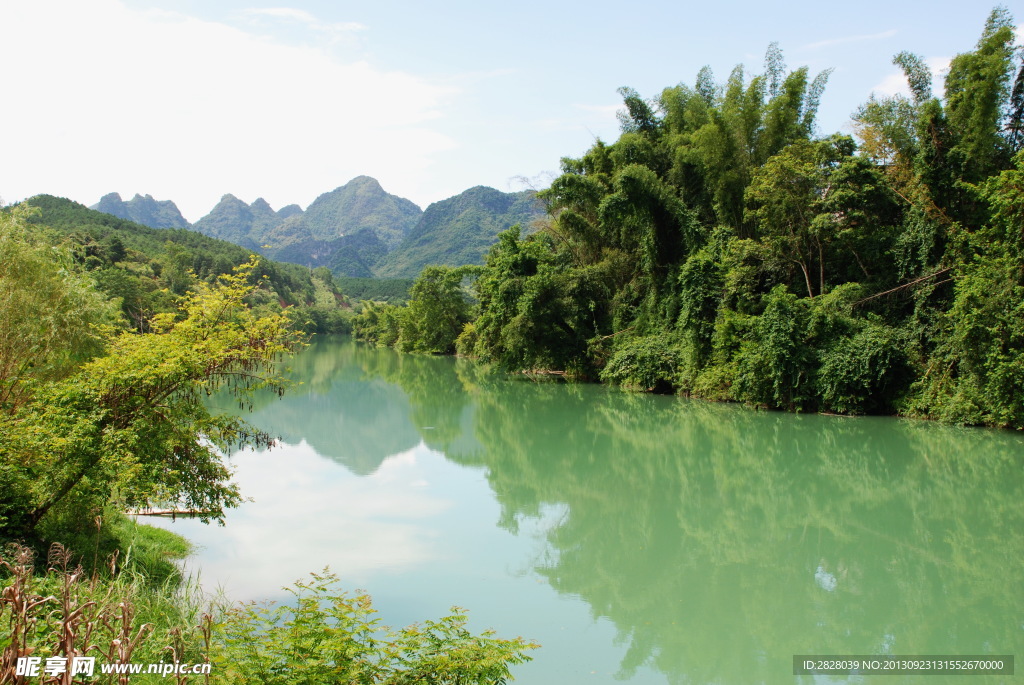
(460, 230)
(721, 248)
(147, 267)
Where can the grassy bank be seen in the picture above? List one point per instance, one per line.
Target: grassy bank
(132, 606)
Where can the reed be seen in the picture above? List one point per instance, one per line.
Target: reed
(116, 616)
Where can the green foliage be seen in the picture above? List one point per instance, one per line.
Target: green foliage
(977, 91)
(436, 312)
(53, 317)
(976, 374)
(329, 637)
(378, 322)
(812, 199)
(1005, 195)
(719, 249)
(430, 322)
(146, 267)
(866, 373)
(327, 313)
(132, 426)
(700, 288)
(392, 290)
(718, 134)
(775, 367)
(650, 363)
(534, 313)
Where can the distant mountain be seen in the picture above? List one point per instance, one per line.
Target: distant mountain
(142, 210)
(459, 230)
(289, 211)
(246, 225)
(356, 230)
(359, 205)
(348, 229)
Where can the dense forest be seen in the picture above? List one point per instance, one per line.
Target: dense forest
(721, 248)
(147, 268)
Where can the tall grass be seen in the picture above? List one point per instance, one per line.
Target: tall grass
(135, 607)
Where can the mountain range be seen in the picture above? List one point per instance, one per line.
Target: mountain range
(358, 229)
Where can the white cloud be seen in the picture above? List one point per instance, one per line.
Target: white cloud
(103, 98)
(892, 84)
(386, 522)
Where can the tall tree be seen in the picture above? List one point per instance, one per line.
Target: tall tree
(977, 95)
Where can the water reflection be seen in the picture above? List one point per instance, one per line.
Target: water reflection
(341, 410)
(385, 522)
(718, 541)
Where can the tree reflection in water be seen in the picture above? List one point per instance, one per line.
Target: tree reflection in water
(720, 541)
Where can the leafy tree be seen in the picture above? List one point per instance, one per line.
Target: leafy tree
(886, 129)
(719, 134)
(131, 425)
(700, 289)
(437, 310)
(378, 322)
(775, 367)
(812, 197)
(977, 94)
(976, 372)
(382, 289)
(652, 363)
(533, 312)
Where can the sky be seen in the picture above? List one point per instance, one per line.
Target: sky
(187, 100)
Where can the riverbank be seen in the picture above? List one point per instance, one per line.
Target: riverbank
(132, 612)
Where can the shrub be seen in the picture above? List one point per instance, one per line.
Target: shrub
(651, 363)
(775, 368)
(330, 637)
(865, 373)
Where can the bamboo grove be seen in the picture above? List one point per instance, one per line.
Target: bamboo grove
(721, 248)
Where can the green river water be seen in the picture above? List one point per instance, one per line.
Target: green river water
(638, 538)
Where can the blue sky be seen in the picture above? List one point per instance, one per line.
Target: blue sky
(187, 100)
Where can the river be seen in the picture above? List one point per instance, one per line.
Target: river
(638, 538)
